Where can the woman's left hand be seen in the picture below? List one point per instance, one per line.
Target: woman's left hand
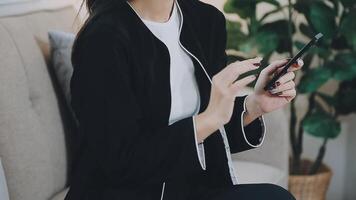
(260, 101)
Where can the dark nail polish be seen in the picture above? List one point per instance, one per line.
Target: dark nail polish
(279, 93)
(257, 64)
(278, 83)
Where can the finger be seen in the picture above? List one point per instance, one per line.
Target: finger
(235, 70)
(236, 86)
(255, 61)
(286, 86)
(295, 66)
(270, 69)
(287, 93)
(289, 99)
(285, 78)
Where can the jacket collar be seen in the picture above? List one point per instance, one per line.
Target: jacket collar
(188, 36)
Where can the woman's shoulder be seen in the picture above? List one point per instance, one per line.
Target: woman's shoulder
(99, 27)
(205, 10)
(201, 12)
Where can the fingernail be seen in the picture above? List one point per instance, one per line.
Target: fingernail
(300, 62)
(272, 91)
(278, 83)
(257, 64)
(279, 93)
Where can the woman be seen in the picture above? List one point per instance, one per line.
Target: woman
(158, 108)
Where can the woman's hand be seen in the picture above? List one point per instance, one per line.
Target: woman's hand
(224, 90)
(261, 101)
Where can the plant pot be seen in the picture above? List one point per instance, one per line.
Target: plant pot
(310, 187)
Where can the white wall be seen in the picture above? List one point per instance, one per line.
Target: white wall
(340, 154)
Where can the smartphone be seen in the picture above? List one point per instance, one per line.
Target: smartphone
(312, 42)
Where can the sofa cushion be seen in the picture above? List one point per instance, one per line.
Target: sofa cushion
(251, 172)
(33, 139)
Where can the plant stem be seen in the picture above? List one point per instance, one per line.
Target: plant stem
(290, 24)
(292, 127)
(319, 159)
(295, 166)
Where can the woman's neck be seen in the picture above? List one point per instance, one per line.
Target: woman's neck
(153, 10)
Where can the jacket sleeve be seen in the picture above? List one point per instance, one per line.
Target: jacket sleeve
(113, 138)
(240, 138)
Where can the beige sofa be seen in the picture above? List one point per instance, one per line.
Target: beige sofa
(35, 133)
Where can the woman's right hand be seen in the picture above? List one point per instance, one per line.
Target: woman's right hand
(224, 90)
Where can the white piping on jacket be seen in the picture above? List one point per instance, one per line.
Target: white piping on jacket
(222, 129)
(164, 184)
(263, 124)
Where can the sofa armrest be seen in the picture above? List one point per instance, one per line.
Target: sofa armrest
(275, 149)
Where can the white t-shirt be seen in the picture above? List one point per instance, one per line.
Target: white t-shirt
(185, 93)
(185, 98)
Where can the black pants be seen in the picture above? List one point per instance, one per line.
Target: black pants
(246, 192)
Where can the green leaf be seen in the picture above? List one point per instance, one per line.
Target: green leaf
(302, 6)
(279, 28)
(233, 58)
(340, 43)
(267, 14)
(243, 8)
(273, 2)
(346, 97)
(299, 44)
(336, 6)
(308, 58)
(322, 18)
(321, 124)
(348, 28)
(313, 79)
(234, 35)
(344, 66)
(263, 42)
(305, 29)
(322, 51)
(348, 3)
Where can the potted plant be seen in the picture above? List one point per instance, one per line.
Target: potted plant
(334, 59)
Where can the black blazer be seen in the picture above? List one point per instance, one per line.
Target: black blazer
(121, 96)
